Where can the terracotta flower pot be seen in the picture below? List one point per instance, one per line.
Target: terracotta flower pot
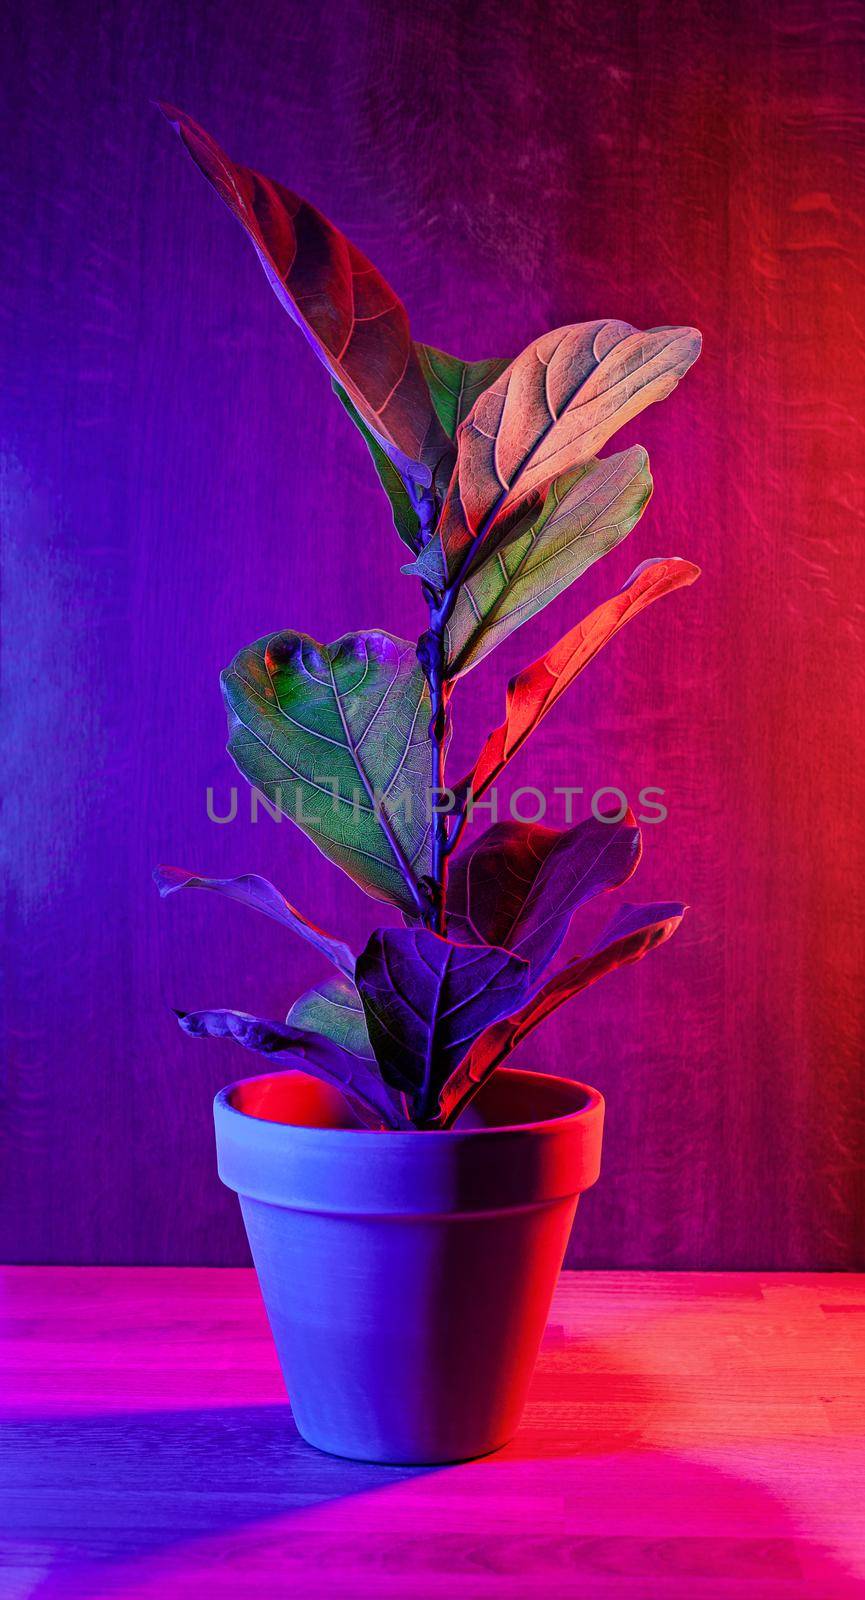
(408, 1276)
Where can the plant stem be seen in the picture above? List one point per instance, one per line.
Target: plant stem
(431, 654)
(439, 694)
(460, 819)
(432, 657)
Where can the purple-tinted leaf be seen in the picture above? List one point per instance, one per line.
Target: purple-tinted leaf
(632, 933)
(429, 565)
(519, 885)
(425, 1000)
(251, 890)
(658, 921)
(309, 1052)
(349, 314)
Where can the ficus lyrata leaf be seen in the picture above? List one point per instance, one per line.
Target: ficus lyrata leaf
(251, 890)
(405, 515)
(535, 690)
(632, 933)
(350, 315)
(549, 412)
(518, 885)
(337, 736)
(334, 1008)
(425, 1000)
(358, 1080)
(455, 385)
(585, 514)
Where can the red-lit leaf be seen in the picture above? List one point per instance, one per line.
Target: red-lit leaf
(551, 410)
(535, 690)
(520, 883)
(350, 315)
(632, 933)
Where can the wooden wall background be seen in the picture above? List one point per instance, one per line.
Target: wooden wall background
(177, 479)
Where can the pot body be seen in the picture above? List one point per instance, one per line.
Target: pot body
(408, 1276)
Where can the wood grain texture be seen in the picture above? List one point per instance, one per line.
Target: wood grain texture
(686, 1436)
(177, 480)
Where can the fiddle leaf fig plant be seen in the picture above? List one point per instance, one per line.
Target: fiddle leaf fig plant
(498, 494)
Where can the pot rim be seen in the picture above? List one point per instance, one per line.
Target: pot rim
(396, 1173)
(592, 1105)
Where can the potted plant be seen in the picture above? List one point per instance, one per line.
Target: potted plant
(407, 1197)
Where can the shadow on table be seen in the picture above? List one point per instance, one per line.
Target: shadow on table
(91, 1491)
(224, 1501)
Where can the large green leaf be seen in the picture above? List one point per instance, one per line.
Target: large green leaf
(337, 737)
(455, 385)
(334, 1009)
(585, 513)
(550, 411)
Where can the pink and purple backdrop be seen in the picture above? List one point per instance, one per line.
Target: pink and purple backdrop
(177, 479)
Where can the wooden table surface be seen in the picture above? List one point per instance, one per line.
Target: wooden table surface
(687, 1435)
